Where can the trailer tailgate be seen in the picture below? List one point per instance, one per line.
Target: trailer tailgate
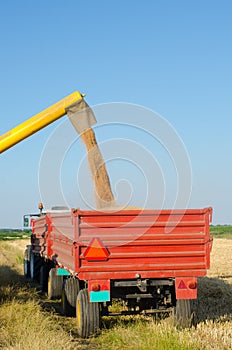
(148, 243)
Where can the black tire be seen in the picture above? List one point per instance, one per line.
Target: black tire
(66, 308)
(35, 265)
(183, 315)
(54, 284)
(44, 271)
(70, 290)
(26, 262)
(88, 315)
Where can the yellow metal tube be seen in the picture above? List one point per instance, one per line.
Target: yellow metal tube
(37, 122)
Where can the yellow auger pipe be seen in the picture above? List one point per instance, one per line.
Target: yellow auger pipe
(37, 122)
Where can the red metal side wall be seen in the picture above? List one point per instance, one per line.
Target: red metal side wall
(39, 244)
(154, 244)
(150, 243)
(61, 238)
(54, 237)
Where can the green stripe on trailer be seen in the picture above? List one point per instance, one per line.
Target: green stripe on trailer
(62, 272)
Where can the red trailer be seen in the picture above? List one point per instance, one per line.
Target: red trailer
(150, 259)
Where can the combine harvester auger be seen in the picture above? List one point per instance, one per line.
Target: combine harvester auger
(82, 118)
(38, 121)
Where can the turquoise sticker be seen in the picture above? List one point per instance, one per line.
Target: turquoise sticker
(100, 296)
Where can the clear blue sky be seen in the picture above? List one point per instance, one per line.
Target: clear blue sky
(173, 57)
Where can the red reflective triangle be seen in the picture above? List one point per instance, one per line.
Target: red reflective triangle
(96, 250)
(182, 285)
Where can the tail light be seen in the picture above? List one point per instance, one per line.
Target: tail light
(95, 287)
(192, 285)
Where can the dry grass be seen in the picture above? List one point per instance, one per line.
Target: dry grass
(213, 309)
(141, 333)
(28, 320)
(24, 322)
(26, 326)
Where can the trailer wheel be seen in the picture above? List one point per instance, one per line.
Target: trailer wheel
(88, 315)
(26, 262)
(54, 284)
(183, 316)
(35, 265)
(70, 291)
(44, 271)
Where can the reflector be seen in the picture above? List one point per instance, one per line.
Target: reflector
(96, 251)
(182, 285)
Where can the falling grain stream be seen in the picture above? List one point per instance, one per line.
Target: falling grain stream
(103, 193)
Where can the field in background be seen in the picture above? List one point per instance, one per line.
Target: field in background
(218, 231)
(221, 231)
(29, 320)
(9, 234)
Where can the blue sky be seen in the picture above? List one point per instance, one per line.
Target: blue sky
(172, 57)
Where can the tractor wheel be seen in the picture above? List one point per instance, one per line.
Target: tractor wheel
(35, 265)
(26, 262)
(44, 271)
(54, 284)
(183, 315)
(70, 291)
(88, 315)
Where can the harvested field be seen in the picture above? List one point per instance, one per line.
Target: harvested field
(28, 320)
